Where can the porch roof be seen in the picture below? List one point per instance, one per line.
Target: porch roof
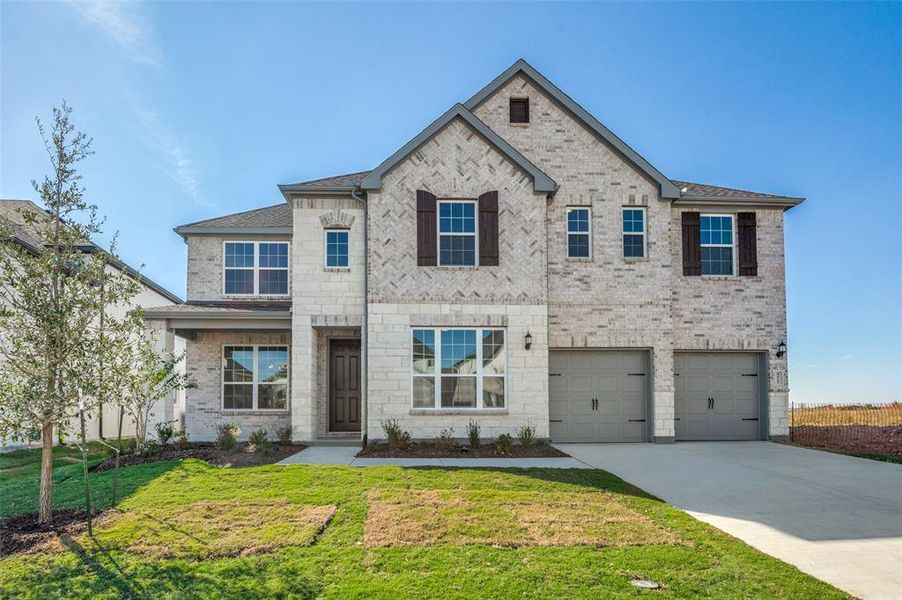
(185, 319)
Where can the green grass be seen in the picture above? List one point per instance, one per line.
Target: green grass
(890, 458)
(689, 558)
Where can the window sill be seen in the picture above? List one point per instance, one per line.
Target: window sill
(579, 258)
(336, 269)
(519, 124)
(458, 267)
(444, 412)
(257, 296)
(635, 259)
(720, 277)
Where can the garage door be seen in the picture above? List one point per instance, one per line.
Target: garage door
(717, 396)
(597, 396)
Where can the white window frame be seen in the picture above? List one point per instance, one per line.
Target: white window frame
(256, 382)
(326, 233)
(588, 233)
(437, 371)
(439, 234)
(734, 255)
(643, 233)
(257, 268)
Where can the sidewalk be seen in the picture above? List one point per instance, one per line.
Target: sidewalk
(345, 455)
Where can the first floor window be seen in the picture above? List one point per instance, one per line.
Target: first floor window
(717, 244)
(457, 233)
(337, 249)
(579, 232)
(255, 377)
(458, 368)
(255, 268)
(633, 233)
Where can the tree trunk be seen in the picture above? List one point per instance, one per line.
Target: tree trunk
(46, 499)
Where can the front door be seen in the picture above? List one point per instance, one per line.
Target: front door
(344, 385)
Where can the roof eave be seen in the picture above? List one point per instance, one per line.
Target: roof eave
(541, 181)
(776, 201)
(294, 189)
(186, 230)
(213, 314)
(667, 188)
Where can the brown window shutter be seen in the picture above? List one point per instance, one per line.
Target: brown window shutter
(519, 110)
(692, 244)
(426, 229)
(488, 229)
(748, 244)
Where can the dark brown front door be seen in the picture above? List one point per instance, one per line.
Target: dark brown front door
(344, 385)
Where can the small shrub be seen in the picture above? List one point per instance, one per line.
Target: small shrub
(527, 434)
(165, 431)
(473, 430)
(445, 441)
(128, 446)
(227, 435)
(398, 439)
(283, 434)
(504, 444)
(257, 440)
(148, 448)
(181, 440)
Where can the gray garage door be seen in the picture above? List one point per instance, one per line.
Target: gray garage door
(717, 396)
(597, 396)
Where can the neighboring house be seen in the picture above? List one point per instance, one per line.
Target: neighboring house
(515, 263)
(104, 424)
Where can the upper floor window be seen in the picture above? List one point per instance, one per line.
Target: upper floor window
(255, 268)
(255, 377)
(457, 233)
(337, 249)
(579, 232)
(633, 233)
(717, 241)
(458, 368)
(519, 110)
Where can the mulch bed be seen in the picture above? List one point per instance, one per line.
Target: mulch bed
(429, 450)
(867, 439)
(23, 534)
(241, 457)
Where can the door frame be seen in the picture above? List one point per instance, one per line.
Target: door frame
(648, 388)
(341, 339)
(762, 363)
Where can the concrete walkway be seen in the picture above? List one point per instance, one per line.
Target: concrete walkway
(345, 455)
(835, 517)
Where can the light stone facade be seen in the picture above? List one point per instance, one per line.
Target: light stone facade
(605, 302)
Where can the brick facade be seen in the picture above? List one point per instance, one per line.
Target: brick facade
(605, 302)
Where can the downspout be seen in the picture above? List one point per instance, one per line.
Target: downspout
(363, 329)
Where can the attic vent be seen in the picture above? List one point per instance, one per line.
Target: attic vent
(519, 110)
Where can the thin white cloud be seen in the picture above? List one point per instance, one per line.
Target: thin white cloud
(177, 163)
(848, 357)
(125, 25)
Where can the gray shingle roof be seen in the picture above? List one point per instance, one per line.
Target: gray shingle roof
(278, 215)
(349, 180)
(688, 189)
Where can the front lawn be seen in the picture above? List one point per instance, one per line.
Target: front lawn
(189, 530)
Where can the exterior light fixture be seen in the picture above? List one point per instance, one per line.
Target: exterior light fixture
(528, 340)
(781, 349)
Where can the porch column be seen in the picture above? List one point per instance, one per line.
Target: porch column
(303, 361)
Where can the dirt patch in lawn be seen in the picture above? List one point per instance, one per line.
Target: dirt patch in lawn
(205, 530)
(869, 439)
(509, 518)
(23, 535)
(240, 457)
(430, 450)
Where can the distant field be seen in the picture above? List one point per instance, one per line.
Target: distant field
(851, 414)
(871, 430)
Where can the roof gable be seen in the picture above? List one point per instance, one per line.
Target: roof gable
(668, 189)
(541, 181)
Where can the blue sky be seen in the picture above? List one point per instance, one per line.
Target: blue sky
(200, 109)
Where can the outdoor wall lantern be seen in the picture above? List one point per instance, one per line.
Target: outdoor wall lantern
(528, 340)
(781, 349)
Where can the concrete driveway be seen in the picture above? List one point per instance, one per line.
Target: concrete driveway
(836, 517)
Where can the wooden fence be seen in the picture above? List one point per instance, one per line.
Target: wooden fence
(868, 428)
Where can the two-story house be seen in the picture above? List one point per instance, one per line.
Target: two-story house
(515, 263)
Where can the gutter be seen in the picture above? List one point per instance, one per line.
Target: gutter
(776, 201)
(365, 326)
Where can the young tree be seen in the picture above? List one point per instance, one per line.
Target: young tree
(138, 374)
(54, 284)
